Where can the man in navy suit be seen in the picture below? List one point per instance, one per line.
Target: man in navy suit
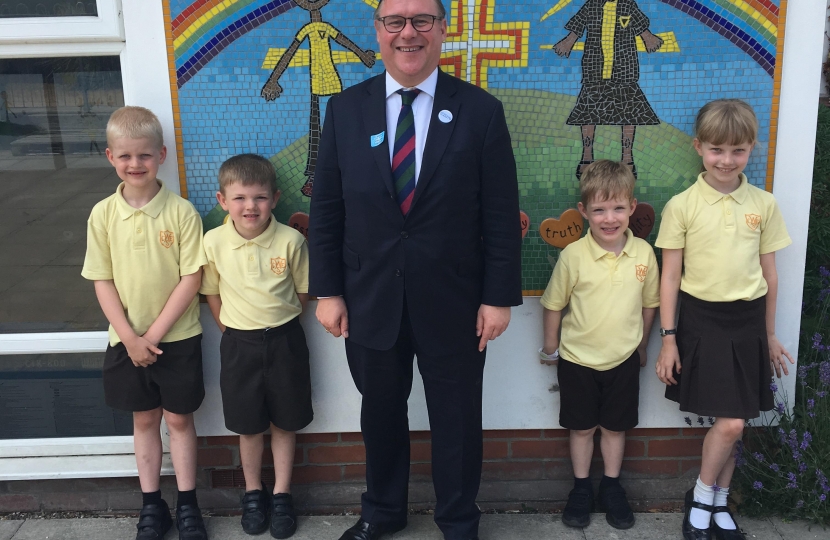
(415, 250)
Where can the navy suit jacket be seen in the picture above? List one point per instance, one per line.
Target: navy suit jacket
(457, 248)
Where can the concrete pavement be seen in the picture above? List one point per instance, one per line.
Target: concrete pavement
(421, 527)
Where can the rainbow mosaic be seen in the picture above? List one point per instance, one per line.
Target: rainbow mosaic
(254, 76)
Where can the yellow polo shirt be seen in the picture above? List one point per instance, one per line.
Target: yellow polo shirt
(257, 279)
(145, 251)
(605, 294)
(723, 237)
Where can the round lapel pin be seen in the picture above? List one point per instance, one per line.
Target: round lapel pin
(445, 116)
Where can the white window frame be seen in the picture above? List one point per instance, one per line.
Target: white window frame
(145, 82)
(106, 26)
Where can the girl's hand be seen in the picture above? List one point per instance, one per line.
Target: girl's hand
(668, 360)
(777, 352)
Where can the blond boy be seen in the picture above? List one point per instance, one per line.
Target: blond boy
(609, 281)
(144, 253)
(256, 283)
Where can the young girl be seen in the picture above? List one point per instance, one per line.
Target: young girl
(719, 239)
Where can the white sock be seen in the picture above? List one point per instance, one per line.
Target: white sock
(703, 494)
(723, 519)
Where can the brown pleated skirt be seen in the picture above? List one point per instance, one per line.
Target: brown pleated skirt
(725, 358)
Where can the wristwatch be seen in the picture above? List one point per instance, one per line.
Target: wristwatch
(668, 332)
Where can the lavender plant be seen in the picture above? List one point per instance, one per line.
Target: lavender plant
(782, 467)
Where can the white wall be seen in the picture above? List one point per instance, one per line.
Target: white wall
(516, 386)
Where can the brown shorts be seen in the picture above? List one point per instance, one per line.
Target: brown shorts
(591, 398)
(174, 382)
(265, 379)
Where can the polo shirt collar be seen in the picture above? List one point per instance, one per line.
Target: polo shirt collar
(711, 195)
(152, 208)
(597, 252)
(263, 240)
(427, 86)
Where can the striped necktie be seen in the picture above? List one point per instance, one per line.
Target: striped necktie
(403, 157)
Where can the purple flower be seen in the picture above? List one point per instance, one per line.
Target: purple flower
(824, 373)
(802, 467)
(799, 504)
(758, 456)
(773, 387)
(810, 404)
(821, 393)
(822, 497)
(811, 414)
(806, 440)
(774, 467)
(796, 455)
(823, 271)
(792, 484)
(779, 407)
(757, 485)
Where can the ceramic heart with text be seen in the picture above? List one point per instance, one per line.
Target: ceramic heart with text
(299, 221)
(563, 231)
(642, 220)
(525, 221)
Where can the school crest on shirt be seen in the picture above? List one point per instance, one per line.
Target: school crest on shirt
(166, 238)
(753, 221)
(642, 271)
(278, 265)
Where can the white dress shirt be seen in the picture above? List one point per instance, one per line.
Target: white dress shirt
(421, 109)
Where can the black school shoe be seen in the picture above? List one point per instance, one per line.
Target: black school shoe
(577, 512)
(190, 523)
(153, 521)
(256, 510)
(726, 534)
(283, 516)
(613, 502)
(690, 532)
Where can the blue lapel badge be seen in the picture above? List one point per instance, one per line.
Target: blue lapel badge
(377, 140)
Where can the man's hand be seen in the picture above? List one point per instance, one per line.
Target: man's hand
(141, 351)
(651, 42)
(564, 46)
(333, 315)
(492, 321)
(668, 358)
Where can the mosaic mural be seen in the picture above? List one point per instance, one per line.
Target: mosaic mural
(580, 80)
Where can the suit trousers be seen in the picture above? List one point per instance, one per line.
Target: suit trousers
(452, 385)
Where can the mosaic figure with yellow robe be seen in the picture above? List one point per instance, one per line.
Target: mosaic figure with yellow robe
(325, 81)
(610, 94)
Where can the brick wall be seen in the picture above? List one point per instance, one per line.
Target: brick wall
(522, 468)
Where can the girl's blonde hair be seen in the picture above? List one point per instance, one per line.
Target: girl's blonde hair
(726, 121)
(133, 122)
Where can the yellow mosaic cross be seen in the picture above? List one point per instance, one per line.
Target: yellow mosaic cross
(475, 42)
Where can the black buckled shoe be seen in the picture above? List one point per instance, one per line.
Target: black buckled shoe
(256, 509)
(577, 512)
(190, 523)
(366, 531)
(154, 521)
(726, 534)
(613, 502)
(691, 532)
(283, 516)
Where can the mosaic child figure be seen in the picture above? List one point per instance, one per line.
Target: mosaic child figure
(325, 81)
(610, 94)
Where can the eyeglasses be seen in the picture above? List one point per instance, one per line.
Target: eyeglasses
(396, 23)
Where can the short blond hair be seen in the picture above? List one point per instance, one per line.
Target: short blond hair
(247, 170)
(133, 122)
(726, 121)
(605, 179)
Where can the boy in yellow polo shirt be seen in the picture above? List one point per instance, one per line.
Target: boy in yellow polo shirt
(610, 282)
(144, 252)
(256, 283)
